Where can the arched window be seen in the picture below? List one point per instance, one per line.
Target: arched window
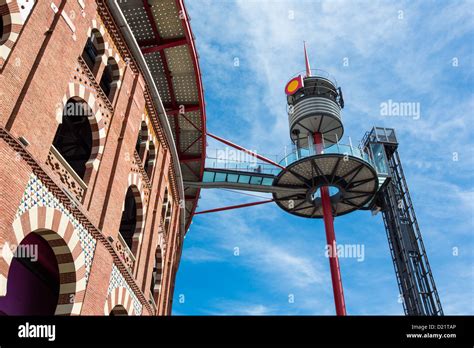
(132, 219)
(166, 212)
(118, 311)
(1, 30)
(128, 223)
(150, 159)
(13, 16)
(164, 206)
(73, 139)
(5, 22)
(142, 140)
(33, 279)
(155, 285)
(93, 51)
(169, 211)
(110, 79)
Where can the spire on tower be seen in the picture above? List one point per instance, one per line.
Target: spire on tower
(308, 68)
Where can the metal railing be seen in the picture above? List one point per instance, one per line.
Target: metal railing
(342, 149)
(317, 73)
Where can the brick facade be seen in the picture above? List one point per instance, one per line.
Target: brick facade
(41, 69)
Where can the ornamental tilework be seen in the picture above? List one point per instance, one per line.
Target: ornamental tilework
(37, 194)
(117, 280)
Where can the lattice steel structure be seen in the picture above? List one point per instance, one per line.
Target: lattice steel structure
(413, 271)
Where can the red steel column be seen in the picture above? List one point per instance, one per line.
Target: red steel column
(331, 239)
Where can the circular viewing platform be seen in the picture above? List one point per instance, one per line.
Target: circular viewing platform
(348, 172)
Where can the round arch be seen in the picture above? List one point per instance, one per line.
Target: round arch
(157, 275)
(142, 139)
(11, 25)
(119, 300)
(73, 139)
(94, 50)
(57, 230)
(110, 81)
(131, 224)
(79, 92)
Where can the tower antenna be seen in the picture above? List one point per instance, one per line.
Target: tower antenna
(308, 68)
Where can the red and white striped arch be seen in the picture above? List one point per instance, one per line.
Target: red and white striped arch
(56, 228)
(119, 296)
(135, 183)
(78, 91)
(14, 14)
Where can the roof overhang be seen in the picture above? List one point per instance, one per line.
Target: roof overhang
(162, 32)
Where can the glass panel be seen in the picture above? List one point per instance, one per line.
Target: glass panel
(255, 180)
(381, 134)
(391, 135)
(232, 177)
(208, 177)
(379, 158)
(244, 179)
(220, 177)
(267, 181)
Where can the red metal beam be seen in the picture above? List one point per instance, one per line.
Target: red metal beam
(189, 158)
(194, 142)
(163, 44)
(169, 79)
(331, 239)
(191, 170)
(251, 153)
(182, 108)
(182, 13)
(233, 207)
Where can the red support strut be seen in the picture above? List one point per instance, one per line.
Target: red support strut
(234, 207)
(243, 149)
(331, 239)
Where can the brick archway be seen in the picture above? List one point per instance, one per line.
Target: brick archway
(77, 91)
(12, 25)
(134, 183)
(158, 270)
(56, 228)
(119, 296)
(109, 51)
(100, 39)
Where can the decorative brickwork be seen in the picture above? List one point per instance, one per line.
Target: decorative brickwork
(118, 286)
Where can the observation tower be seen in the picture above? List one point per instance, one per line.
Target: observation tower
(321, 178)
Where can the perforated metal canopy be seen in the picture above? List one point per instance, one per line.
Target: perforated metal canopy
(162, 30)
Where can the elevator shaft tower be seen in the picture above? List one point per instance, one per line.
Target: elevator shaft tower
(415, 280)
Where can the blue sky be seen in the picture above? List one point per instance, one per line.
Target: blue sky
(421, 52)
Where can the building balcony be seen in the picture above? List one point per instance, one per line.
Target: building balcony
(124, 253)
(72, 182)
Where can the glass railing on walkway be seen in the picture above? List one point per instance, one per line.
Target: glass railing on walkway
(248, 178)
(341, 149)
(291, 155)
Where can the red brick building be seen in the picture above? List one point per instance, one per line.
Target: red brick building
(101, 122)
